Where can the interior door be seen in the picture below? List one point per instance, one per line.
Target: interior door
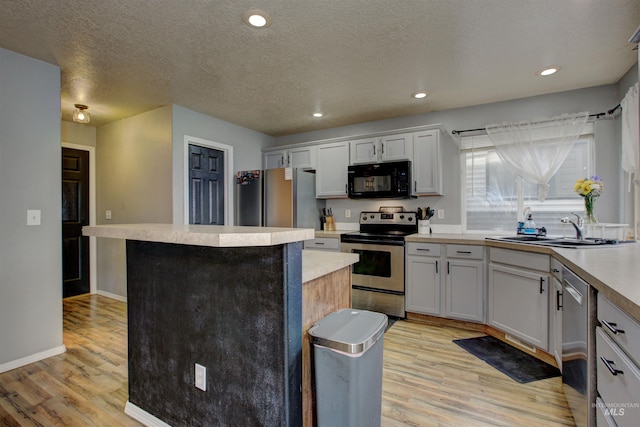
(75, 214)
(206, 186)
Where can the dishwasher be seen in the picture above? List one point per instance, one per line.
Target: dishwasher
(578, 347)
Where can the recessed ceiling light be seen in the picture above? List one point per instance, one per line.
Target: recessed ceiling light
(548, 71)
(419, 95)
(257, 18)
(317, 115)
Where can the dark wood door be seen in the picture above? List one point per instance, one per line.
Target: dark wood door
(206, 186)
(75, 214)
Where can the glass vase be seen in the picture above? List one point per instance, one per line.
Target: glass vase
(590, 209)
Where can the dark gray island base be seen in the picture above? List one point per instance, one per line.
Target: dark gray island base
(237, 311)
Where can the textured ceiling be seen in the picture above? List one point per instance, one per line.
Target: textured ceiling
(354, 60)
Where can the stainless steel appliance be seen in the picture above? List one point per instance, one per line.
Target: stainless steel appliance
(380, 180)
(578, 348)
(378, 277)
(282, 197)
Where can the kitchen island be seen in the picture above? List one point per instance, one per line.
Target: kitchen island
(232, 300)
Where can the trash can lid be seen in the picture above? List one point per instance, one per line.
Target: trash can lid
(349, 330)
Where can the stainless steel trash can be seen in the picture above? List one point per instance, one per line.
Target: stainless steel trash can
(347, 350)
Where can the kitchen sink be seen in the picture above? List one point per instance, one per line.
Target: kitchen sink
(559, 242)
(525, 238)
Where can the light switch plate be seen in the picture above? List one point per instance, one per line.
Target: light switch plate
(33, 216)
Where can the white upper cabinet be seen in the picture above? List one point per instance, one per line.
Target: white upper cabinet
(427, 171)
(396, 147)
(331, 172)
(364, 151)
(274, 159)
(382, 149)
(301, 157)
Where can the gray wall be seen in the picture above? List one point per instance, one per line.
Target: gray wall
(140, 174)
(246, 145)
(30, 175)
(594, 100)
(133, 181)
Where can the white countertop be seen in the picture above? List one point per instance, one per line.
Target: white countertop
(614, 271)
(201, 235)
(318, 263)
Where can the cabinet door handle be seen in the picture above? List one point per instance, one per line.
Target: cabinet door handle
(541, 284)
(436, 267)
(374, 150)
(464, 252)
(319, 243)
(558, 303)
(612, 327)
(382, 145)
(345, 189)
(611, 369)
(415, 186)
(555, 270)
(289, 160)
(448, 267)
(423, 249)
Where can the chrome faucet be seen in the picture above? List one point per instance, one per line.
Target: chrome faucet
(578, 225)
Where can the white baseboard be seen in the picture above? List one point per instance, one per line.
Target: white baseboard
(112, 296)
(32, 358)
(143, 416)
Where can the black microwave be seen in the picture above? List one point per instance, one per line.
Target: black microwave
(380, 180)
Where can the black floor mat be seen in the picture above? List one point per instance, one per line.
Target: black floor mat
(509, 360)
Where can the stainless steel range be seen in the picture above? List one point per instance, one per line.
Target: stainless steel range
(378, 278)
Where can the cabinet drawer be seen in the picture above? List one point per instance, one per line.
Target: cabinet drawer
(556, 269)
(465, 251)
(621, 390)
(615, 320)
(424, 249)
(522, 259)
(327, 243)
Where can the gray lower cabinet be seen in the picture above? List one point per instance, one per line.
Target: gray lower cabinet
(518, 295)
(617, 370)
(555, 312)
(464, 284)
(446, 280)
(423, 283)
(323, 244)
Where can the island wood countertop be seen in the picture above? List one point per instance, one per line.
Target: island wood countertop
(319, 263)
(201, 235)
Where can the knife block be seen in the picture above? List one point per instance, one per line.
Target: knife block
(424, 227)
(329, 224)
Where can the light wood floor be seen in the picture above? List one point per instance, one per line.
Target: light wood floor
(427, 381)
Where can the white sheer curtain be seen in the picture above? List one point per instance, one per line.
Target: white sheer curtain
(536, 149)
(630, 135)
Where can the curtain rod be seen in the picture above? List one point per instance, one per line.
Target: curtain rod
(591, 116)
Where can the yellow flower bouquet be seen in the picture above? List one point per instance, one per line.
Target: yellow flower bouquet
(590, 189)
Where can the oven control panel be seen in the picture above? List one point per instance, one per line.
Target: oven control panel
(388, 218)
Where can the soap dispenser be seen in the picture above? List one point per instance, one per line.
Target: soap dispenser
(530, 226)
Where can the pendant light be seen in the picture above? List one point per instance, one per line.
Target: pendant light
(80, 114)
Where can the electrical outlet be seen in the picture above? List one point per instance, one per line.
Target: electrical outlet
(347, 213)
(33, 217)
(107, 215)
(201, 377)
(440, 213)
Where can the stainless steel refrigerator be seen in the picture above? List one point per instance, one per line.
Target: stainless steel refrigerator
(283, 197)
